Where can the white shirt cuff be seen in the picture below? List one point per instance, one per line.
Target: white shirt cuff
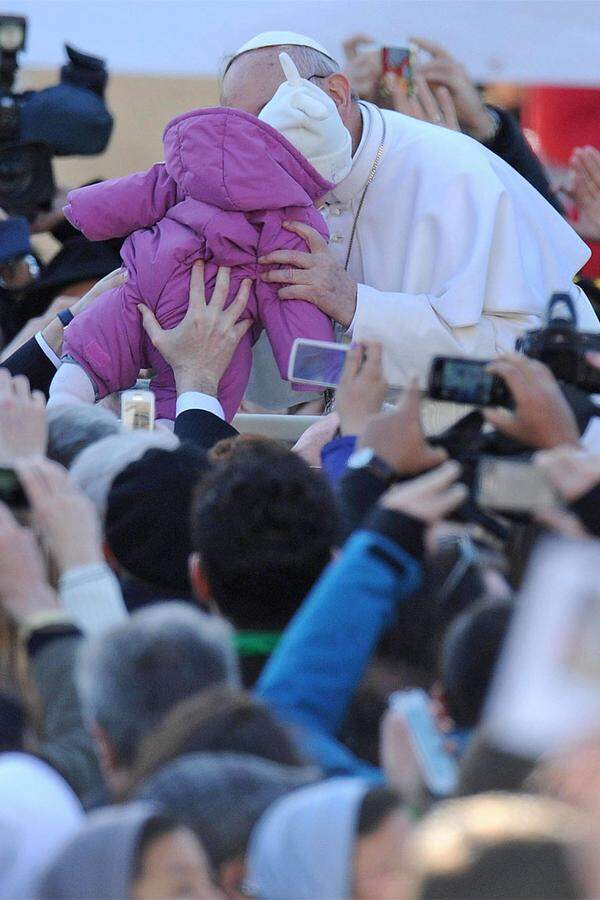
(350, 327)
(47, 349)
(198, 400)
(591, 436)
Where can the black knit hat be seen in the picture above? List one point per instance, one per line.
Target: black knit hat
(148, 516)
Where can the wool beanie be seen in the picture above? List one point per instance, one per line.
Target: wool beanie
(309, 119)
(148, 515)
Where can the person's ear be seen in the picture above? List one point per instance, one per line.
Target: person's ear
(105, 750)
(111, 559)
(340, 90)
(198, 580)
(231, 878)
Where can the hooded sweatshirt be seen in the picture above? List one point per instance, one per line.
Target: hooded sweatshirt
(303, 847)
(39, 814)
(100, 861)
(228, 183)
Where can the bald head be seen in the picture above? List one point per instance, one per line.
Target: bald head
(251, 79)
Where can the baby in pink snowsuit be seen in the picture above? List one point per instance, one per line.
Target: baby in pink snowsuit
(228, 183)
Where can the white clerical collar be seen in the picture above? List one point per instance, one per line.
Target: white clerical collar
(362, 161)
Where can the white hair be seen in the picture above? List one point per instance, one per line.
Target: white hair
(132, 676)
(95, 468)
(74, 426)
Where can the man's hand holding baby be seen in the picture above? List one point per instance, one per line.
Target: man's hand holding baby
(316, 276)
(201, 347)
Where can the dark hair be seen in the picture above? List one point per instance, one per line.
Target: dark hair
(497, 846)
(452, 582)
(470, 650)
(264, 525)
(378, 803)
(217, 720)
(517, 869)
(156, 827)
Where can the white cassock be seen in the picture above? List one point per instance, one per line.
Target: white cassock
(454, 252)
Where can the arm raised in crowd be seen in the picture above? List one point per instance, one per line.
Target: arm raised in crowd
(314, 672)
(396, 440)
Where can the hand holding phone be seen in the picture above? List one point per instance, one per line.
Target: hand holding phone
(317, 362)
(438, 769)
(460, 380)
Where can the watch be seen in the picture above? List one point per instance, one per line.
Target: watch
(65, 316)
(366, 459)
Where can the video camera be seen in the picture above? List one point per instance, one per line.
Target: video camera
(559, 345)
(65, 119)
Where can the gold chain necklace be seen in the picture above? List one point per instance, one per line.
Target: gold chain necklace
(372, 174)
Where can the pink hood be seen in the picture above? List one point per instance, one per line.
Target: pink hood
(212, 155)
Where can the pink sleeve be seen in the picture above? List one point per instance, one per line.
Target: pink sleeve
(286, 320)
(115, 208)
(106, 340)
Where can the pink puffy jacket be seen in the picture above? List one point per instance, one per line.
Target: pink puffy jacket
(228, 183)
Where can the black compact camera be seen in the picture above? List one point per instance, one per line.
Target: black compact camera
(559, 345)
(65, 119)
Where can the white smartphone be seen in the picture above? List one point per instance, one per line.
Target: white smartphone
(438, 768)
(138, 409)
(317, 362)
(509, 485)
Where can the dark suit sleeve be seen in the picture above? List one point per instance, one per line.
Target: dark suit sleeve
(31, 361)
(202, 428)
(511, 145)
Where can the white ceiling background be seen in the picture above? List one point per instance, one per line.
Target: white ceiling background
(524, 40)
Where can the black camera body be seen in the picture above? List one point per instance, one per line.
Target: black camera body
(65, 119)
(559, 345)
(562, 347)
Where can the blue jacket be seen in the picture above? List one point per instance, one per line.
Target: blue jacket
(335, 455)
(314, 672)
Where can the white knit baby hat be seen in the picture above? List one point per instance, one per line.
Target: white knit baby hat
(309, 119)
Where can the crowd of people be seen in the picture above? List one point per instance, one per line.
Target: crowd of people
(232, 667)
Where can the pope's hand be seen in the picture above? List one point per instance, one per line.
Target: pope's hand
(315, 276)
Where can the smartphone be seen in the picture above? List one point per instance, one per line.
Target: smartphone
(401, 62)
(460, 380)
(512, 485)
(138, 409)
(439, 769)
(11, 490)
(317, 362)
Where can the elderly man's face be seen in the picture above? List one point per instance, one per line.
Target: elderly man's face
(252, 79)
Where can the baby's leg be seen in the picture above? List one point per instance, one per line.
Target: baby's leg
(71, 384)
(235, 380)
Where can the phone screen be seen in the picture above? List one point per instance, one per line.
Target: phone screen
(466, 381)
(399, 60)
(318, 362)
(513, 486)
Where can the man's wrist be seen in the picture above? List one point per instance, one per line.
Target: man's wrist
(347, 316)
(485, 128)
(196, 381)
(78, 557)
(36, 601)
(53, 335)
